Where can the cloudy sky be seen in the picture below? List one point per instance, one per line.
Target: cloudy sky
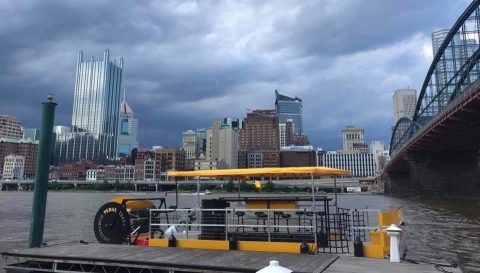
(187, 62)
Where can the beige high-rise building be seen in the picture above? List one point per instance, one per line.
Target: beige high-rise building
(352, 137)
(222, 144)
(286, 133)
(228, 146)
(10, 127)
(404, 103)
(189, 143)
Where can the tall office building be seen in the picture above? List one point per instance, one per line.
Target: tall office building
(260, 131)
(445, 67)
(289, 108)
(222, 145)
(352, 138)
(404, 103)
(286, 133)
(127, 135)
(10, 127)
(96, 110)
(201, 142)
(259, 140)
(189, 144)
(456, 53)
(380, 155)
(438, 37)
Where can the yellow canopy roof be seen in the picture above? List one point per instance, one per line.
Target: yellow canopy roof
(284, 171)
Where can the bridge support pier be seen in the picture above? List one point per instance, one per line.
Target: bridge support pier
(436, 174)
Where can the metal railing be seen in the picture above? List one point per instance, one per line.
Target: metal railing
(365, 220)
(362, 221)
(327, 229)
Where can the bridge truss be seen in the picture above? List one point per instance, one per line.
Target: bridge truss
(455, 67)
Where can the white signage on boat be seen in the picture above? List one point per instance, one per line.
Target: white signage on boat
(354, 189)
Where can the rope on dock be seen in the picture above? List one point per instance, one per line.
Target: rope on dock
(438, 266)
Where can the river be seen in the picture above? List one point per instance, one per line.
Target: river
(438, 230)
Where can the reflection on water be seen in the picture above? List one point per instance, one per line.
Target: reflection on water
(437, 230)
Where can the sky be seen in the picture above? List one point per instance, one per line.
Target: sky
(188, 62)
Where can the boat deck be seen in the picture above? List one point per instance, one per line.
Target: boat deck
(94, 257)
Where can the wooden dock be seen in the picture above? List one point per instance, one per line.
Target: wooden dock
(94, 257)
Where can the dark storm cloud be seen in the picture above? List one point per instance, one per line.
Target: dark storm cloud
(187, 62)
(344, 27)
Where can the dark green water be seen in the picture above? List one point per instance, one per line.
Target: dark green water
(445, 230)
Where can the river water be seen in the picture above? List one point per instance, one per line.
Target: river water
(438, 230)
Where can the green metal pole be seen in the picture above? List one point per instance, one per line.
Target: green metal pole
(41, 174)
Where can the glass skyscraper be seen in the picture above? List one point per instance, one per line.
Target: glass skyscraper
(95, 117)
(289, 108)
(455, 54)
(127, 137)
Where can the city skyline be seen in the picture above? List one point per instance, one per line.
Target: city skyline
(176, 91)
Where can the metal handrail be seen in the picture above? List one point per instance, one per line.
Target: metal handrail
(271, 226)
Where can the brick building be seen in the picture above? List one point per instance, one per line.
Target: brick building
(168, 159)
(300, 140)
(109, 172)
(74, 171)
(26, 148)
(153, 165)
(259, 140)
(260, 131)
(298, 156)
(145, 165)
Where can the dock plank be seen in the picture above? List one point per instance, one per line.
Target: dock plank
(220, 260)
(214, 260)
(346, 264)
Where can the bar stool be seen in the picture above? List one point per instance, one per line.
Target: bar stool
(276, 219)
(322, 236)
(286, 216)
(263, 216)
(320, 217)
(240, 214)
(299, 214)
(309, 214)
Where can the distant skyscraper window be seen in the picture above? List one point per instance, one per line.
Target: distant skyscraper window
(289, 108)
(124, 149)
(124, 130)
